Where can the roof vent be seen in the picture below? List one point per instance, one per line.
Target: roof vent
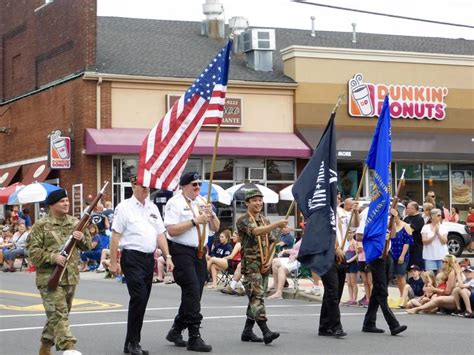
(213, 26)
(354, 33)
(258, 45)
(313, 31)
(238, 25)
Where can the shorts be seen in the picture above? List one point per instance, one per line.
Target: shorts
(398, 269)
(353, 268)
(363, 266)
(291, 266)
(433, 264)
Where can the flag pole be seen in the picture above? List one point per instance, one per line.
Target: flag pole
(290, 209)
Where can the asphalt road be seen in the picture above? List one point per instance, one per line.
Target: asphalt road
(99, 316)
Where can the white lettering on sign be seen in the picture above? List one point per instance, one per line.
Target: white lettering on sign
(344, 154)
(406, 101)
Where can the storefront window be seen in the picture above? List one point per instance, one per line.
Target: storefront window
(223, 170)
(436, 179)
(280, 170)
(193, 165)
(249, 170)
(412, 187)
(461, 188)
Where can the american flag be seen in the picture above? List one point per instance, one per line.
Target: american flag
(165, 150)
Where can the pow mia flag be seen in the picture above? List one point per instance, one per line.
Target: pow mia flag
(315, 192)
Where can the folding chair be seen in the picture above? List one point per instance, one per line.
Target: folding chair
(303, 272)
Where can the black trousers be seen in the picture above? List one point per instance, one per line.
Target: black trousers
(190, 274)
(138, 270)
(379, 296)
(333, 281)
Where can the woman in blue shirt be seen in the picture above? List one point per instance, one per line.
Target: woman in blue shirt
(401, 239)
(221, 250)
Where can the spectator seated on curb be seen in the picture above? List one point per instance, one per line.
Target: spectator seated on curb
(5, 242)
(16, 247)
(235, 287)
(414, 287)
(464, 292)
(160, 269)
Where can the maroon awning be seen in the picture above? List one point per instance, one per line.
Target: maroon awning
(7, 174)
(36, 172)
(263, 144)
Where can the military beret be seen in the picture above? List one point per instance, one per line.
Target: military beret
(252, 193)
(188, 178)
(55, 196)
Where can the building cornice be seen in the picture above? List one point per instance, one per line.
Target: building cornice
(376, 55)
(181, 81)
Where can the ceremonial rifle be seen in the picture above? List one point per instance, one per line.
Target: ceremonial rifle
(68, 247)
(391, 221)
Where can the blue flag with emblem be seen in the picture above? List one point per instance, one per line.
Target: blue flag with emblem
(378, 162)
(315, 192)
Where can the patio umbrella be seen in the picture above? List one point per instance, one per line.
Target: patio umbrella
(238, 192)
(35, 192)
(7, 191)
(286, 194)
(217, 193)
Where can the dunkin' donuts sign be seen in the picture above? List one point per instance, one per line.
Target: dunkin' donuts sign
(406, 101)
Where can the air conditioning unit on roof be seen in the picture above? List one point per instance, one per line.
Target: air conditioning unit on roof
(259, 40)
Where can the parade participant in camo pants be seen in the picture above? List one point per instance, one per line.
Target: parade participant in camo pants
(255, 270)
(47, 237)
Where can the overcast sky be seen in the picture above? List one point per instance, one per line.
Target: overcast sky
(288, 14)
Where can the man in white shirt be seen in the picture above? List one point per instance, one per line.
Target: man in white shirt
(186, 216)
(138, 227)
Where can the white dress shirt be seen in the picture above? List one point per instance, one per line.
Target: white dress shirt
(139, 225)
(178, 210)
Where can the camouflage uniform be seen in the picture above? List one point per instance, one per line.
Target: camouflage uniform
(46, 238)
(254, 281)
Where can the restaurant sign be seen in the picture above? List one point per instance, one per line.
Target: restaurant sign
(406, 101)
(232, 110)
(60, 150)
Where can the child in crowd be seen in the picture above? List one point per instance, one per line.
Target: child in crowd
(429, 281)
(414, 287)
(352, 270)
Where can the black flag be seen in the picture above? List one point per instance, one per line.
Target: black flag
(315, 192)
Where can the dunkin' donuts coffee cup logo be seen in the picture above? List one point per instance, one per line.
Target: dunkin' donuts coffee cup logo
(59, 151)
(406, 101)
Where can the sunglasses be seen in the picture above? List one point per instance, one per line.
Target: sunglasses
(196, 184)
(432, 196)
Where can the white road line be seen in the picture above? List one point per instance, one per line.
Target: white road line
(155, 309)
(172, 319)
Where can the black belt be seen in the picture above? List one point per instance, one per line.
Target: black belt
(181, 245)
(145, 255)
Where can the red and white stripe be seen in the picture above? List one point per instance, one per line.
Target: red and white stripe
(165, 151)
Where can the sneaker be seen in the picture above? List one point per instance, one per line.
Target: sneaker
(101, 268)
(364, 304)
(315, 291)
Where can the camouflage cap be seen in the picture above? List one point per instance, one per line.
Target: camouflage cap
(252, 193)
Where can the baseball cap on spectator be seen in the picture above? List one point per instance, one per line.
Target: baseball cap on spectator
(414, 268)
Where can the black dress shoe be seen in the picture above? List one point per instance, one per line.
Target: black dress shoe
(372, 330)
(398, 330)
(339, 333)
(134, 349)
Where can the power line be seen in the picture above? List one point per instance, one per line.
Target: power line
(382, 14)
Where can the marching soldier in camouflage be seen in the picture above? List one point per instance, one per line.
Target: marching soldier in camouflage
(44, 243)
(257, 236)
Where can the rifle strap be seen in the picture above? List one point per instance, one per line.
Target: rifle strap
(198, 228)
(263, 252)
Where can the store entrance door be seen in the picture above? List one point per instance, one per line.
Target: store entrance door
(348, 178)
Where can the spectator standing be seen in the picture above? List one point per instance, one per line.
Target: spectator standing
(435, 239)
(470, 224)
(26, 216)
(186, 214)
(46, 239)
(431, 197)
(454, 215)
(415, 219)
(139, 228)
(364, 268)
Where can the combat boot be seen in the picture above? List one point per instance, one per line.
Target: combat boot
(175, 336)
(268, 335)
(248, 334)
(45, 348)
(195, 342)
